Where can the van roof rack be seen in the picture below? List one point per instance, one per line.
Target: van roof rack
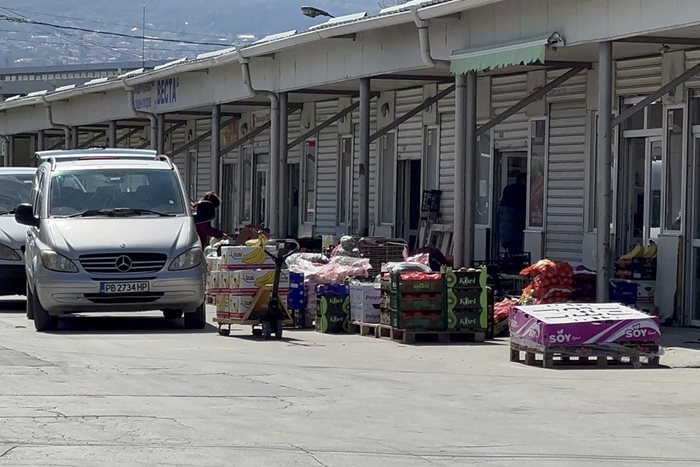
(97, 153)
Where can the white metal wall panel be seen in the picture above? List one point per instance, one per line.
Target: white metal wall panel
(447, 165)
(203, 158)
(327, 171)
(294, 131)
(637, 77)
(410, 132)
(692, 58)
(177, 139)
(572, 89)
(506, 91)
(566, 181)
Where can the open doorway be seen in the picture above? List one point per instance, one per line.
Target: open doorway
(510, 205)
(293, 195)
(639, 192)
(408, 200)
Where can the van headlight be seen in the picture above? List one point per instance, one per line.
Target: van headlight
(55, 262)
(8, 254)
(187, 260)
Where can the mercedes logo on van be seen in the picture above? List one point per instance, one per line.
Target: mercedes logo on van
(123, 264)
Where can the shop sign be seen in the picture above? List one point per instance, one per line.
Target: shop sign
(148, 96)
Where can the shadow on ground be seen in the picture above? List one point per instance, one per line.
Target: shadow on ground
(126, 325)
(12, 305)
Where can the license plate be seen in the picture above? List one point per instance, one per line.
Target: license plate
(123, 287)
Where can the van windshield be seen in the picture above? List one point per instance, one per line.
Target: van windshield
(106, 191)
(15, 189)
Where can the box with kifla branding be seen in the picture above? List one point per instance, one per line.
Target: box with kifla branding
(246, 257)
(249, 282)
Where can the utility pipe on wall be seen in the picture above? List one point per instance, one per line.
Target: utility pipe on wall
(215, 146)
(424, 38)
(151, 116)
(273, 215)
(65, 128)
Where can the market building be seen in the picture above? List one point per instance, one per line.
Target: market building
(591, 105)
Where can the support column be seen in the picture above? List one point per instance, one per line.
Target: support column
(459, 170)
(40, 140)
(161, 134)
(365, 97)
(153, 140)
(274, 214)
(66, 137)
(470, 170)
(215, 147)
(112, 134)
(603, 190)
(74, 133)
(284, 202)
(10, 159)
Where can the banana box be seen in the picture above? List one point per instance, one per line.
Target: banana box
(238, 306)
(246, 257)
(250, 281)
(228, 280)
(213, 263)
(222, 306)
(214, 281)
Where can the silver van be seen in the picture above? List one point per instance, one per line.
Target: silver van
(110, 230)
(15, 189)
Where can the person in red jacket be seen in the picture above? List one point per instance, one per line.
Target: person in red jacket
(204, 213)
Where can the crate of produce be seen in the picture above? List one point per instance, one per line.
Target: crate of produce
(549, 328)
(468, 320)
(381, 250)
(417, 302)
(466, 279)
(418, 320)
(333, 309)
(415, 282)
(467, 298)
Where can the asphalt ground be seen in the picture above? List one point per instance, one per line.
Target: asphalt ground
(141, 390)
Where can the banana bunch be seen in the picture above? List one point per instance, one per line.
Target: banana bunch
(635, 252)
(257, 256)
(639, 251)
(650, 252)
(260, 241)
(268, 278)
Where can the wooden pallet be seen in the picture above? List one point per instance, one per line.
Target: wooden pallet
(442, 337)
(365, 329)
(558, 359)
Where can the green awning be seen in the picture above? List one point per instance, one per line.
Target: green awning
(500, 56)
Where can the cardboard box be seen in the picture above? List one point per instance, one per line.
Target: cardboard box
(239, 305)
(213, 263)
(222, 306)
(245, 257)
(254, 279)
(544, 327)
(365, 302)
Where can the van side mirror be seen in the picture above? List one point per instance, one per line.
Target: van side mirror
(24, 214)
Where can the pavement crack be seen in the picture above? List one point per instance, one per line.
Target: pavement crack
(310, 454)
(9, 451)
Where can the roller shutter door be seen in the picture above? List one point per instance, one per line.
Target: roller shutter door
(566, 181)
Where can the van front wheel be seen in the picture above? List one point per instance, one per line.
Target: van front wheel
(43, 321)
(196, 319)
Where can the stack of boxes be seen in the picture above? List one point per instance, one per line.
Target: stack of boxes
(236, 277)
(296, 301)
(416, 304)
(467, 300)
(333, 309)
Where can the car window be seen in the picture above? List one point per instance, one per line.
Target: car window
(109, 189)
(14, 190)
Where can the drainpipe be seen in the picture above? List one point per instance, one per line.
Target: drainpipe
(151, 116)
(273, 197)
(66, 128)
(424, 37)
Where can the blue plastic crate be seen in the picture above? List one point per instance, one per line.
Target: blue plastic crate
(623, 292)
